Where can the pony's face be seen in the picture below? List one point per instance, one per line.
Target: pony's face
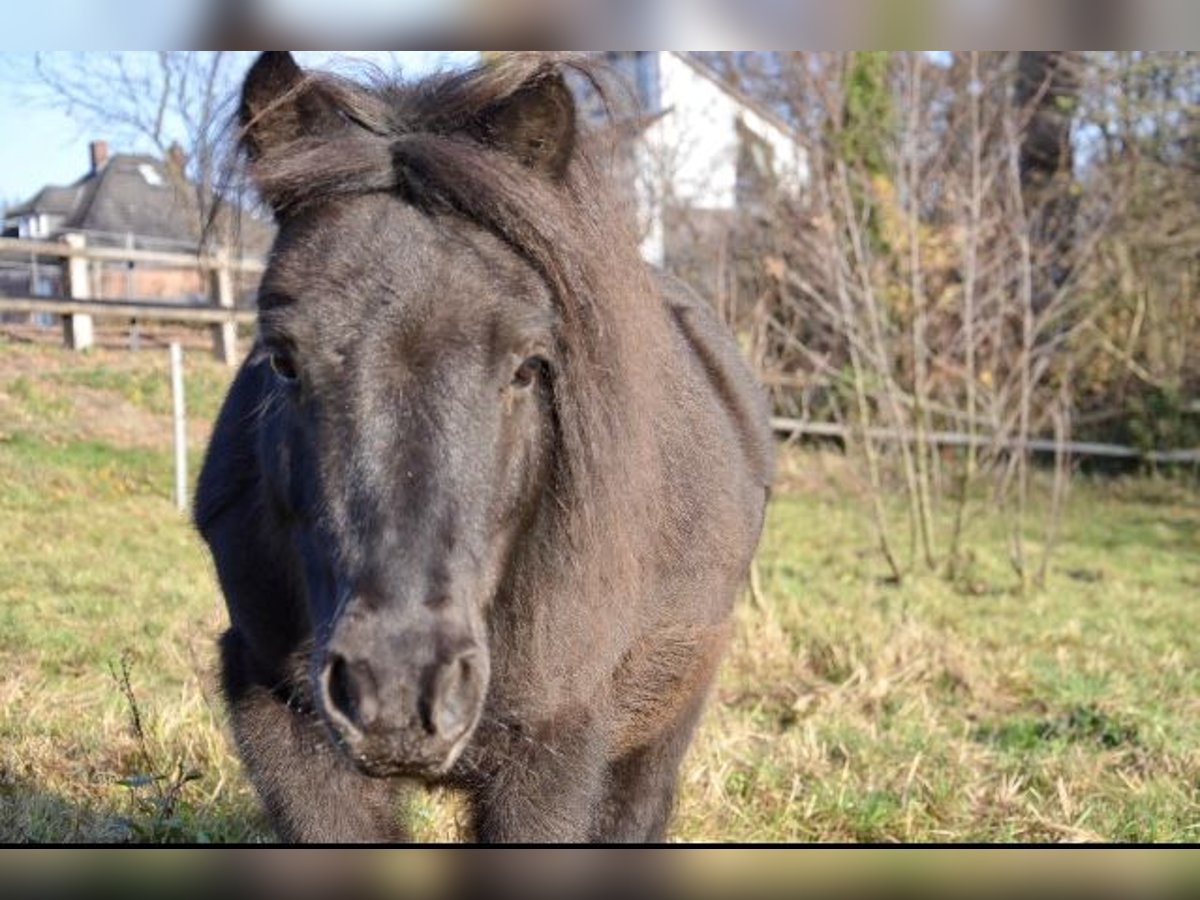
(409, 439)
(412, 370)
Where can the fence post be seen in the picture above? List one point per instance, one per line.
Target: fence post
(177, 402)
(77, 327)
(221, 292)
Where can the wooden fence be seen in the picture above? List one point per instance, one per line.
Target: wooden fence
(798, 427)
(79, 308)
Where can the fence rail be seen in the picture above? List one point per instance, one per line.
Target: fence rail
(78, 308)
(148, 310)
(23, 249)
(796, 427)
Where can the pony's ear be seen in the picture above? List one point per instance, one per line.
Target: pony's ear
(535, 123)
(279, 105)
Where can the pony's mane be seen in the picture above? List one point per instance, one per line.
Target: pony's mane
(412, 140)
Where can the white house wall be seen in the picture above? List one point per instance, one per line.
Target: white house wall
(697, 141)
(690, 154)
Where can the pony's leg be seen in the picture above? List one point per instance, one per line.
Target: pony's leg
(310, 791)
(540, 785)
(640, 795)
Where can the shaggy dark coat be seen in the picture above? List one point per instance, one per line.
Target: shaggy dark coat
(482, 497)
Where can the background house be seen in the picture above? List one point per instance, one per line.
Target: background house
(133, 201)
(699, 154)
(705, 147)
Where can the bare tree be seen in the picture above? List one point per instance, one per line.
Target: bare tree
(934, 278)
(175, 102)
(1140, 382)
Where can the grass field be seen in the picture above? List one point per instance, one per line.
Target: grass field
(849, 710)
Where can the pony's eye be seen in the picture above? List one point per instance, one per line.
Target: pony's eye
(529, 371)
(283, 365)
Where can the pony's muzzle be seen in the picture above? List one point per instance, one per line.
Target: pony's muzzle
(399, 714)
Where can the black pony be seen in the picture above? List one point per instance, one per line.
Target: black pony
(482, 496)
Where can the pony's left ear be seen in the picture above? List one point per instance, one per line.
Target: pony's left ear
(279, 105)
(535, 123)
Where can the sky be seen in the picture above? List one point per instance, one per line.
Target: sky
(41, 146)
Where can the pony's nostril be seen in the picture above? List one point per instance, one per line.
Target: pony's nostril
(350, 691)
(455, 697)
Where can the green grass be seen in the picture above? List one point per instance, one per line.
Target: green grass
(849, 708)
(859, 710)
(145, 387)
(98, 565)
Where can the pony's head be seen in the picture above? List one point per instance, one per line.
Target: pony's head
(440, 373)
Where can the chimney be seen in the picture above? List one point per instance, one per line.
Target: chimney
(176, 158)
(99, 153)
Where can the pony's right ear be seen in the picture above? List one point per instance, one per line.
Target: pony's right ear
(534, 123)
(280, 104)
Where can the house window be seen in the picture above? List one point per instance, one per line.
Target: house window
(755, 168)
(32, 226)
(150, 176)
